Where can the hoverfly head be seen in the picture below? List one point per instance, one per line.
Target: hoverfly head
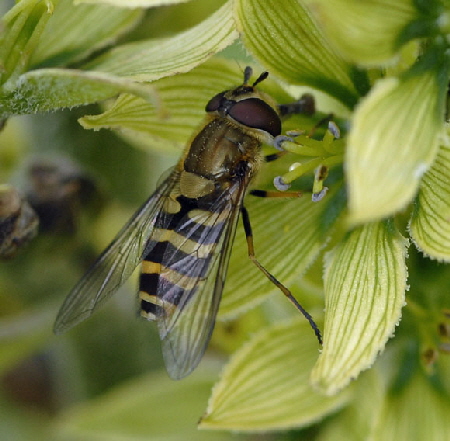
(247, 106)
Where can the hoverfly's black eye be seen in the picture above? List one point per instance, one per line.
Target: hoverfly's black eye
(255, 113)
(214, 103)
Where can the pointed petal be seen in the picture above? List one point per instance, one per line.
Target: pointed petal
(151, 407)
(430, 223)
(393, 141)
(73, 32)
(285, 38)
(153, 59)
(365, 283)
(183, 98)
(20, 30)
(265, 386)
(132, 3)
(372, 29)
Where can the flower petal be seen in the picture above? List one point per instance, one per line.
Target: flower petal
(365, 283)
(283, 36)
(150, 407)
(370, 34)
(183, 99)
(393, 141)
(265, 386)
(430, 223)
(132, 3)
(153, 59)
(74, 32)
(357, 420)
(20, 30)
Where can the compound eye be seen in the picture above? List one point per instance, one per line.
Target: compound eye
(257, 114)
(214, 103)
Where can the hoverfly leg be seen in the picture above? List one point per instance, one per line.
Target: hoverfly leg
(322, 122)
(275, 156)
(273, 279)
(306, 105)
(275, 194)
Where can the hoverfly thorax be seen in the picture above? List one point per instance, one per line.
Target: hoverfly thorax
(228, 145)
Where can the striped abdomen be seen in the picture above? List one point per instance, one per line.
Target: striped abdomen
(178, 257)
(211, 181)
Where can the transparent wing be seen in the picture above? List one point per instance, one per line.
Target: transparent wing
(115, 264)
(185, 332)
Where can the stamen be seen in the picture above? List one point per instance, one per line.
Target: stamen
(279, 184)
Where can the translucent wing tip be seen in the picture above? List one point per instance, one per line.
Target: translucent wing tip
(63, 322)
(176, 370)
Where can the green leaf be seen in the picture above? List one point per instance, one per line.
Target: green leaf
(283, 36)
(48, 89)
(151, 60)
(182, 100)
(394, 140)
(430, 226)
(266, 386)
(365, 283)
(287, 237)
(19, 428)
(150, 407)
(20, 30)
(418, 412)
(74, 32)
(366, 32)
(23, 335)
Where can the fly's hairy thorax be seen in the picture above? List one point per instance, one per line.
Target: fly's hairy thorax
(218, 155)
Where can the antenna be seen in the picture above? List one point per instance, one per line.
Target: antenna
(262, 77)
(248, 72)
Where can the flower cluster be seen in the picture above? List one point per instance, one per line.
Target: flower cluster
(381, 68)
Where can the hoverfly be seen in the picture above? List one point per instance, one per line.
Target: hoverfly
(183, 233)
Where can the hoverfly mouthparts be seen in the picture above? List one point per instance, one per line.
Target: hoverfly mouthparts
(183, 233)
